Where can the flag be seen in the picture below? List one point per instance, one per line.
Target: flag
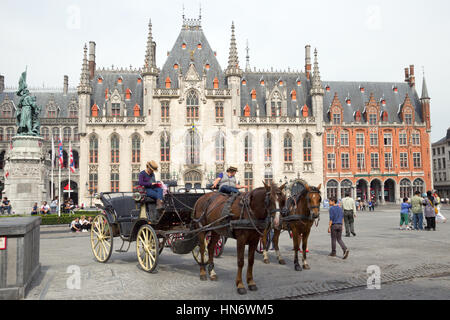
(53, 151)
(72, 165)
(60, 146)
(67, 187)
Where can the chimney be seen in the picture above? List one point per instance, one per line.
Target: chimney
(412, 78)
(308, 61)
(91, 59)
(66, 85)
(2, 83)
(407, 75)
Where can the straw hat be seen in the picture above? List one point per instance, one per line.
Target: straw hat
(152, 165)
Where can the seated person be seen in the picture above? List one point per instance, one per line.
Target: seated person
(45, 209)
(85, 225)
(6, 205)
(34, 210)
(75, 226)
(152, 188)
(227, 182)
(71, 205)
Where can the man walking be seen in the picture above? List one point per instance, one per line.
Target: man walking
(348, 204)
(335, 228)
(416, 207)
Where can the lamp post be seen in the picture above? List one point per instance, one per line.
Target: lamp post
(90, 190)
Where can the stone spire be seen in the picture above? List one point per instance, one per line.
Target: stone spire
(316, 87)
(233, 60)
(247, 57)
(150, 59)
(84, 86)
(424, 90)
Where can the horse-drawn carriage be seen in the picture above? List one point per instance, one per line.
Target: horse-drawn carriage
(133, 217)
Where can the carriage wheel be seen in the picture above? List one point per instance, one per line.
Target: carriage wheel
(196, 252)
(101, 239)
(147, 248)
(218, 249)
(174, 237)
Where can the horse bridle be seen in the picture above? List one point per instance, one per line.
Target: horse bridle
(283, 211)
(312, 217)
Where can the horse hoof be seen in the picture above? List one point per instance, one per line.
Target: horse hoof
(203, 277)
(306, 267)
(242, 291)
(266, 261)
(253, 287)
(298, 268)
(282, 262)
(213, 278)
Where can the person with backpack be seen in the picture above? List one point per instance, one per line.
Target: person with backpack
(404, 214)
(430, 211)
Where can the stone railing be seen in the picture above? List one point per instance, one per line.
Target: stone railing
(116, 120)
(161, 92)
(218, 93)
(276, 120)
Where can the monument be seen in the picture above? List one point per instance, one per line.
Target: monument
(27, 181)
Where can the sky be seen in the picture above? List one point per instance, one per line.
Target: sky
(356, 40)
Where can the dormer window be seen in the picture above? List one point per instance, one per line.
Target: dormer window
(128, 94)
(280, 82)
(168, 83)
(207, 66)
(385, 116)
(244, 82)
(106, 93)
(262, 82)
(327, 88)
(183, 46)
(408, 118)
(247, 111)
(199, 46)
(305, 111)
(175, 66)
(94, 110)
(358, 116)
(139, 80)
(299, 83)
(348, 101)
(395, 89)
(294, 95)
(119, 81)
(361, 89)
(100, 80)
(383, 102)
(253, 93)
(216, 83)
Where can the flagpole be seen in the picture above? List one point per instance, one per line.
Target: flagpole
(69, 163)
(59, 175)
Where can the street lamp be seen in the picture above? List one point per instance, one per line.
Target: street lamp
(90, 192)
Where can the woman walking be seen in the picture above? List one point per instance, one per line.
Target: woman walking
(430, 211)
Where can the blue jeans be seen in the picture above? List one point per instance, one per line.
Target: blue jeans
(228, 189)
(155, 193)
(418, 221)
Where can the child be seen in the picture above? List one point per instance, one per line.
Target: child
(404, 214)
(335, 228)
(75, 226)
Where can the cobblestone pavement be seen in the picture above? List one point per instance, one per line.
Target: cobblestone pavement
(415, 264)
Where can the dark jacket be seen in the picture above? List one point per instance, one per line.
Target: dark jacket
(146, 180)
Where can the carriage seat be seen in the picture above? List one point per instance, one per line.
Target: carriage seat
(149, 200)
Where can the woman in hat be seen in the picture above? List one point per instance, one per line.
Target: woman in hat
(227, 182)
(148, 181)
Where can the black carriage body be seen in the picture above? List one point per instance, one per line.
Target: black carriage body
(124, 212)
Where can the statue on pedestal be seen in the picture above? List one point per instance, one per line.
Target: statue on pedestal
(27, 116)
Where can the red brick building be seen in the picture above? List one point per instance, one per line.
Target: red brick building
(376, 139)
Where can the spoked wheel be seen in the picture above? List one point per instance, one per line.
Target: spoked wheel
(101, 239)
(196, 252)
(147, 248)
(218, 249)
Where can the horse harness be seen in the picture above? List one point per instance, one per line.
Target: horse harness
(301, 217)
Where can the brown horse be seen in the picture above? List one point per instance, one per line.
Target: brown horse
(304, 209)
(253, 210)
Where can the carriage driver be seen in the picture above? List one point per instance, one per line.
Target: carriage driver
(227, 182)
(148, 181)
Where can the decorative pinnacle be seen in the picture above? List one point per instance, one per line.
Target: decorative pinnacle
(149, 62)
(233, 60)
(316, 87)
(84, 86)
(247, 57)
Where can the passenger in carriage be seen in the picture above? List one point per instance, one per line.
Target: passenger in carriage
(227, 182)
(148, 181)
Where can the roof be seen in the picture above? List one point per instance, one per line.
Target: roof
(380, 90)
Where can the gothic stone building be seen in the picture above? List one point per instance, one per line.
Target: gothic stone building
(196, 119)
(59, 116)
(441, 166)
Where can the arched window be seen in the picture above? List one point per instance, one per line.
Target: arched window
(165, 147)
(246, 111)
(55, 133)
(220, 147)
(94, 110)
(136, 110)
(192, 179)
(275, 105)
(115, 182)
(93, 183)
(73, 111)
(288, 148)
(93, 150)
(136, 149)
(307, 149)
(76, 135)
(248, 148)
(192, 147)
(332, 187)
(419, 185)
(51, 111)
(346, 188)
(268, 147)
(45, 132)
(115, 109)
(405, 189)
(67, 134)
(115, 149)
(7, 110)
(192, 106)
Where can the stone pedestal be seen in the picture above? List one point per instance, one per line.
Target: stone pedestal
(28, 180)
(19, 255)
